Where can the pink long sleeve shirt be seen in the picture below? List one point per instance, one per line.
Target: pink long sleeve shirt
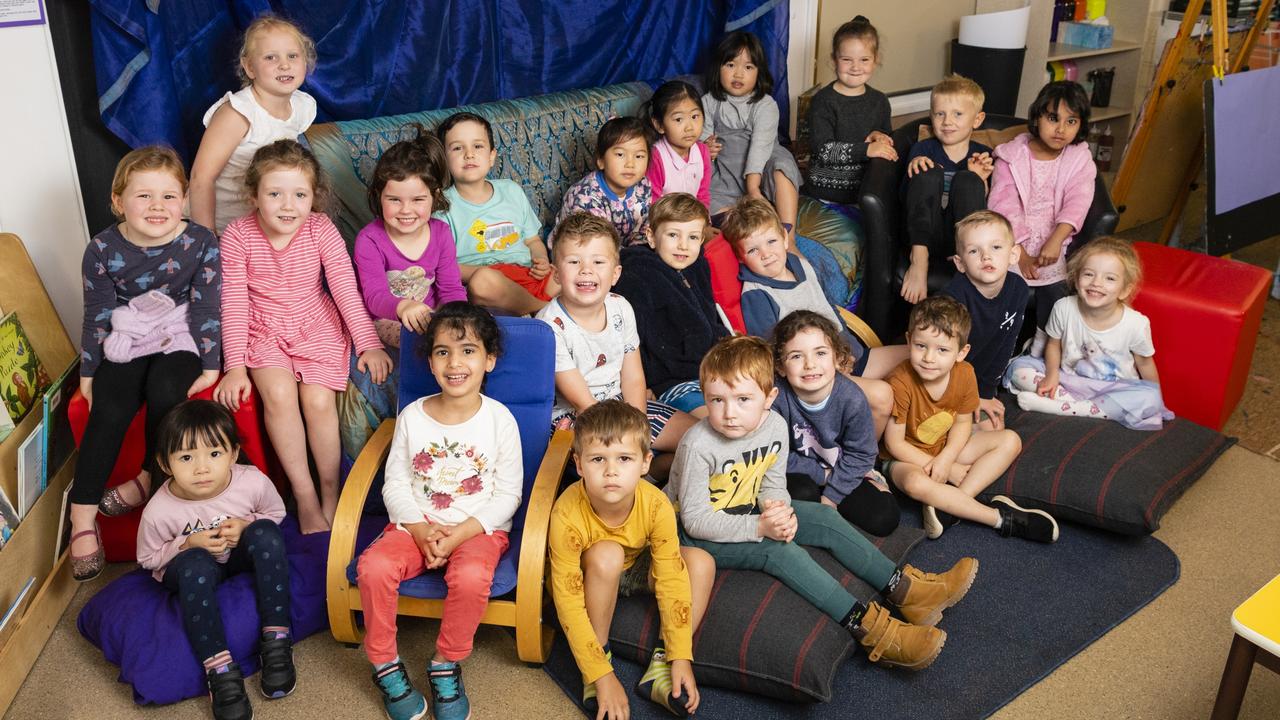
(168, 519)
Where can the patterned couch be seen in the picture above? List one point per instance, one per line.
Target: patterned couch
(545, 143)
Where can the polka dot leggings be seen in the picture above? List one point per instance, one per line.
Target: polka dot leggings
(194, 577)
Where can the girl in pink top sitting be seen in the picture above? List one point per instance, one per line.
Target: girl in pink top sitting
(679, 162)
(211, 520)
(407, 260)
(284, 331)
(1043, 183)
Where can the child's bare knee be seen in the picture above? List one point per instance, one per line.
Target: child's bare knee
(603, 560)
(1010, 441)
(699, 562)
(485, 285)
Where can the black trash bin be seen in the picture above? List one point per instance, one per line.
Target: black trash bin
(999, 72)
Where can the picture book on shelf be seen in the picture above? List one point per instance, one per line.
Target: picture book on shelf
(22, 377)
(64, 526)
(30, 463)
(6, 423)
(8, 519)
(58, 438)
(9, 620)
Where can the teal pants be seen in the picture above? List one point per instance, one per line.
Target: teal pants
(820, 526)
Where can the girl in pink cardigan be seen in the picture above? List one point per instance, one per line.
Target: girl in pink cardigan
(679, 161)
(1043, 183)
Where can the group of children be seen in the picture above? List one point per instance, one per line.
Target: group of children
(766, 445)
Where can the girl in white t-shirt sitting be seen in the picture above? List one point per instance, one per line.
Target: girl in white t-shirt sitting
(1099, 360)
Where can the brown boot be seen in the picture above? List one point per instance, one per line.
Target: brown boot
(889, 641)
(921, 597)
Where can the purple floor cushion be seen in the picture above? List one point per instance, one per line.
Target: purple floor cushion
(137, 625)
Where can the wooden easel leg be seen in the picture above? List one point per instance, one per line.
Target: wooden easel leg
(1235, 679)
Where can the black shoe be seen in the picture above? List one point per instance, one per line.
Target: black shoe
(278, 675)
(1016, 521)
(226, 692)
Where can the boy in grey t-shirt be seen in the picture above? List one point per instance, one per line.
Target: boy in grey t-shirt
(728, 484)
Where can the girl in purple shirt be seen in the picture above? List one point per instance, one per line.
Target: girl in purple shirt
(406, 260)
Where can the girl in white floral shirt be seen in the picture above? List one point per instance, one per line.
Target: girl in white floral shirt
(453, 482)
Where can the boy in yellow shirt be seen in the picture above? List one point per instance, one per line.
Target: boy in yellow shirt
(612, 533)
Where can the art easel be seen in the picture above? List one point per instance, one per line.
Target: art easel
(1167, 149)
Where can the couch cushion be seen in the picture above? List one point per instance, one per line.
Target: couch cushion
(990, 138)
(758, 636)
(545, 143)
(1100, 473)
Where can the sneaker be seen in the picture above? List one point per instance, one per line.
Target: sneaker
(655, 685)
(401, 700)
(891, 642)
(278, 676)
(448, 696)
(936, 521)
(1016, 521)
(928, 594)
(226, 693)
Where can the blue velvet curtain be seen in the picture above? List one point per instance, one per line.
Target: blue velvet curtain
(160, 65)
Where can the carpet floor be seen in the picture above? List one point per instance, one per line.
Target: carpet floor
(1031, 608)
(1163, 663)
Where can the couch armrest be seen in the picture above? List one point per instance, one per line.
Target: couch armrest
(346, 522)
(533, 642)
(880, 214)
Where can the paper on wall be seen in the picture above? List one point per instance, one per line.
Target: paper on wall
(1005, 30)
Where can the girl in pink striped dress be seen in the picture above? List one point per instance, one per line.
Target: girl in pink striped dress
(283, 331)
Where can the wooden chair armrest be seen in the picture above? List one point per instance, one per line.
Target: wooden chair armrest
(531, 570)
(859, 328)
(346, 521)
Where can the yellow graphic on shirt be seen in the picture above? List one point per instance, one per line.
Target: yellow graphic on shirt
(734, 489)
(935, 428)
(496, 236)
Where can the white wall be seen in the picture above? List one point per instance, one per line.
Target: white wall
(39, 192)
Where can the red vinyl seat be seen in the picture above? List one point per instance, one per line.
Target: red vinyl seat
(1205, 313)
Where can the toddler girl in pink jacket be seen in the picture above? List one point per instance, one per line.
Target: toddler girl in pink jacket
(1043, 183)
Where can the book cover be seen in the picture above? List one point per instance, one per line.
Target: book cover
(30, 463)
(58, 438)
(8, 519)
(6, 423)
(22, 377)
(8, 622)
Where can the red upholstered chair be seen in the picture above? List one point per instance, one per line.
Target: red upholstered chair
(120, 534)
(1205, 312)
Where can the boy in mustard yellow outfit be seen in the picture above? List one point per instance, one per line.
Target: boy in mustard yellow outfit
(612, 533)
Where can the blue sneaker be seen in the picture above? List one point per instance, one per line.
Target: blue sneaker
(399, 697)
(448, 697)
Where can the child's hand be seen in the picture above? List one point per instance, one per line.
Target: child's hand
(206, 380)
(230, 530)
(714, 146)
(1048, 387)
(210, 540)
(994, 410)
(775, 521)
(377, 363)
(1027, 264)
(683, 684)
(425, 534)
(882, 149)
(877, 136)
(828, 501)
(938, 468)
(917, 165)
(915, 284)
(1050, 252)
(539, 268)
(413, 315)
(612, 699)
(444, 544)
(235, 388)
(86, 389)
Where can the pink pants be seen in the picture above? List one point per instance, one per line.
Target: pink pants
(393, 557)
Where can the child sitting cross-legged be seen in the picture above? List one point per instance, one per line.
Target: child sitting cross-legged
(668, 285)
(996, 298)
(454, 477)
(776, 281)
(612, 533)
(211, 520)
(833, 442)
(597, 347)
(936, 457)
(729, 483)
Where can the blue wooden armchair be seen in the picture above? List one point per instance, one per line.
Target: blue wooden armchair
(524, 381)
